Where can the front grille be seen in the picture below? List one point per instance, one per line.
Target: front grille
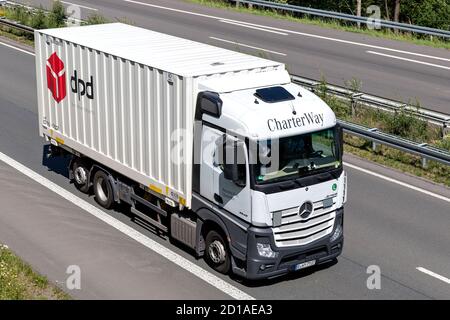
(294, 230)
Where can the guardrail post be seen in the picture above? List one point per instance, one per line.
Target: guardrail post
(424, 163)
(445, 129)
(374, 146)
(424, 160)
(237, 4)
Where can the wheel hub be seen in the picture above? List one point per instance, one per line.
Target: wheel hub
(80, 175)
(217, 252)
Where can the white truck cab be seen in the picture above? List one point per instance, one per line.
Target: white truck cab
(282, 195)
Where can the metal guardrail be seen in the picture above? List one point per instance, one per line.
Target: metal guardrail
(437, 118)
(425, 151)
(15, 25)
(348, 17)
(377, 137)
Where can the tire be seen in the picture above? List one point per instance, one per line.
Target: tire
(217, 255)
(81, 175)
(103, 190)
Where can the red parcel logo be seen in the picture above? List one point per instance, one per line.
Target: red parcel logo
(56, 77)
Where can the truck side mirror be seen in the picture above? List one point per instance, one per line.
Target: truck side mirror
(208, 102)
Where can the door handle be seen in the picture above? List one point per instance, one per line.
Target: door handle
(218, 198)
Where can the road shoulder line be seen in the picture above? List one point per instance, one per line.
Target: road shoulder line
(132, 233)
(395, 181)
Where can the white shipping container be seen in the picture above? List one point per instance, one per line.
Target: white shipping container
(125, 97)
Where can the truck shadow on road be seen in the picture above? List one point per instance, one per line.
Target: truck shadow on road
(60, 164)
(57, 165)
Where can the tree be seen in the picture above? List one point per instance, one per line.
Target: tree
(358, 10)
(387, 9)
(397, 10)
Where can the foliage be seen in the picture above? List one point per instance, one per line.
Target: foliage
(39, 19)
(405, 125)
(42, 19)
(444, 143)
(57, 16)
(96, 19)
(428, 13)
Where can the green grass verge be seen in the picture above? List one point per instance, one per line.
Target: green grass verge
(401, 161)
(18, 281)
(328, 23)
(9, 34)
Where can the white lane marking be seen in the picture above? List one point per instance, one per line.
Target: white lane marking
(434, 275)
(346, 41)
(18, 49)
(122, 227)
(289, 31)
(79, 5)
(252, 27)
(406, 185)
(172, 9)
(408, 60)
(246, 45)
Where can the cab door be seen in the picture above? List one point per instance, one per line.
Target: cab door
(232, 193)
(216, 184)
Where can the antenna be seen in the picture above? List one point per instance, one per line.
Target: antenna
(293, 109)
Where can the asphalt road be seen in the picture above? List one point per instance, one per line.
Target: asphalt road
(386, 224)
(390, 69)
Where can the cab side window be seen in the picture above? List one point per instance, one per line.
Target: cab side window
(230, 158)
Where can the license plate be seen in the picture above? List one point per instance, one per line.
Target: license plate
(304, 265)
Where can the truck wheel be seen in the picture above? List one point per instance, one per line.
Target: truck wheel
(103, 190)
(81, 176)
(217, 253)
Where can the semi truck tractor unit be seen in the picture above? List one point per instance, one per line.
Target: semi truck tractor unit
(215, 149)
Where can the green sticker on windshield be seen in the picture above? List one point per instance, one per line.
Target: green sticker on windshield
(260, 178)
(334, 186)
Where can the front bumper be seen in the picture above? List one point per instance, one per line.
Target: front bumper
(257, 267)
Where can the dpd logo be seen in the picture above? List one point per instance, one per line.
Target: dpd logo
(81, 87)
(56, 81)
(56, 77)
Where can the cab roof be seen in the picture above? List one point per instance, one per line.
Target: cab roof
(247, 115)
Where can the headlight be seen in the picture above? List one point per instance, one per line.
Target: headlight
(265, 250)
(337, 233)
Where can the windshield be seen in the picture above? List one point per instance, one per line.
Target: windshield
(298, 156)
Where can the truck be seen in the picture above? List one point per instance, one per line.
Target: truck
(216, 150)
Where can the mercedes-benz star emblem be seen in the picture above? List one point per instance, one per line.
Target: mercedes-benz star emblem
(306, 209)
